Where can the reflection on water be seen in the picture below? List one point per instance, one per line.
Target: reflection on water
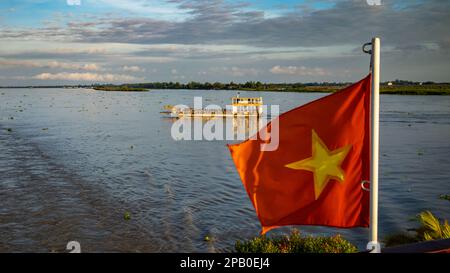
(217, 128)
(247, 127)
(75, 161)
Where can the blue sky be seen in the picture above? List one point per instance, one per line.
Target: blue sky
(51, 42)
(34, 12)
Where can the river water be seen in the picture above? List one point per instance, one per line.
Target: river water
(75, 161)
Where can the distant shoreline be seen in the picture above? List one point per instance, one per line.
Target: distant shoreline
(119, 89)
(411, 89)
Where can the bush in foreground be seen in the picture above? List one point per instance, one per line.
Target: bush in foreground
(296, 243)
(430, 229)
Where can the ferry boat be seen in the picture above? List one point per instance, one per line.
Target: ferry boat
(240, 107)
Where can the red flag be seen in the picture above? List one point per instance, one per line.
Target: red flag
(315, 175)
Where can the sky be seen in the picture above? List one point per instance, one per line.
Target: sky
(53, 42)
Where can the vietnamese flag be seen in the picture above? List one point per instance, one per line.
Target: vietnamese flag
(314, 176)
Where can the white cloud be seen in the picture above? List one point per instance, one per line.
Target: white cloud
(89, 50)
(298, 71)
(235, 71)
(157, 8)
(8, 63)
(93, 77)
(133, 68)
(241, 72)
(88, 67)
(53, 64)
(91, 67)
(74, 2)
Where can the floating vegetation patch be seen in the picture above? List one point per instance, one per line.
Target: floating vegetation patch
(127, 216)
(444, 197)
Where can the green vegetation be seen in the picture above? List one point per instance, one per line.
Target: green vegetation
(444, 197)
(127, 216)
(402, 238)
(430, 229)
(429, 89)
(396, 87)
(296, 243)
(121, 88)
(248, 86)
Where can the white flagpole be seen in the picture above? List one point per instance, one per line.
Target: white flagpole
(374, 245)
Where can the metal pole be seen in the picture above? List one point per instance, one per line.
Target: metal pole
(374, 245)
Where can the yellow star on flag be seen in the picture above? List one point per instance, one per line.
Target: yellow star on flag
(325, 164)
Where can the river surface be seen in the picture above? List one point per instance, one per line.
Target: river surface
(75, 161)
